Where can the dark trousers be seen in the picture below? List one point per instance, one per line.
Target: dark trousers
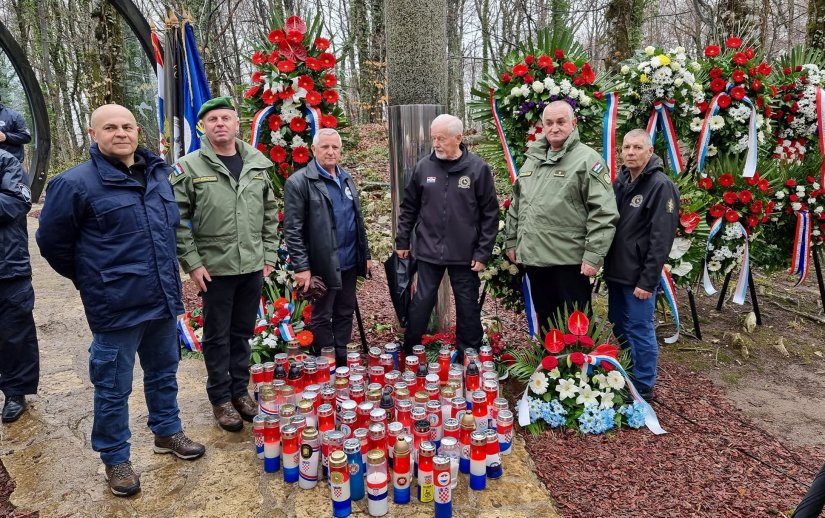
(556, 289)
(19, 358)
(465, 284)
(230, 307)
(331, 322)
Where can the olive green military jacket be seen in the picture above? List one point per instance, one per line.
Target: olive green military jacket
(226, 226)
(563, 210)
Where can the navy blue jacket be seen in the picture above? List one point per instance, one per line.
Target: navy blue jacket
(15, 202)
(17, 134)
(114, 240)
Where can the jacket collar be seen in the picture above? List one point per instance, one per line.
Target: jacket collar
(111, 175)
(251, 157)
(540, 149)
(653, 166)
(452, 166)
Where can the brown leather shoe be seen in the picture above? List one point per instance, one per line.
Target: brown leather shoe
(179, 444)
(227, 417)
(246, 407)
(123, 481)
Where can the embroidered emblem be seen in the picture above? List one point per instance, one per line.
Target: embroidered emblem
(597, 167)
(204, 179)
(464, 182)
(431, 179)
(636, 201)
(669, 206)
(25, 192)
(606, 178)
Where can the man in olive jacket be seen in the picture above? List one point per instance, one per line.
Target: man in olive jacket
(227, 244)
(562, 216)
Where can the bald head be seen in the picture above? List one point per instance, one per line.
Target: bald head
(115, 131)
(558, 121)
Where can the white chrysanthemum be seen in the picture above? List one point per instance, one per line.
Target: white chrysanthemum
(567, 389)
(549, 83)
(587, 396)
(615, 380)
(780, 194)
(555, 90)
(538, 383)
(538, 87)
(650, 50)
(625, 69)
(796, 205)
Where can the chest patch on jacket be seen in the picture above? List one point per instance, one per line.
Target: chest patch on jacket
(431, 179)
(464, 182)
(559, 174)
(636, 201)
(204, 179)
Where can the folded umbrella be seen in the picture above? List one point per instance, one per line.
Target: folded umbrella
(399, 281)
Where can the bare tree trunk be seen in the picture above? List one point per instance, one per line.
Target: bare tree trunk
(624, 26)
(815, 34)
(110, 48)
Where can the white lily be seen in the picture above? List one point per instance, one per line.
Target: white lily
(566, 389)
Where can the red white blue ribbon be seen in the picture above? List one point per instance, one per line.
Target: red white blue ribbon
(741, 290)
(669, 291)
(314, 116)
(287, 333)
(258, 122)
(609, 132)
(704, 136)
(800, 261)
(533, 324)
(187, 335)
(660, 116)
(509, 161)
(820, 129)
(262, 309)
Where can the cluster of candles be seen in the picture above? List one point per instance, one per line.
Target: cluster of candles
(378, 424)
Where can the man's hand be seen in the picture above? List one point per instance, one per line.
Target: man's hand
(641, 294)
(588, 270)
(402, 254)
(267, 270)
(370, 264)
(2, 137)
(476, 266)
(511, 255)
(302, 280)
(201, 277)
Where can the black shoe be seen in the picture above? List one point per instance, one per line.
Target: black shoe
(14, 408)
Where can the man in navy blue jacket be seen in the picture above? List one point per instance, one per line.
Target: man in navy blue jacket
(20, 364)
(13, 132)
(108, 224)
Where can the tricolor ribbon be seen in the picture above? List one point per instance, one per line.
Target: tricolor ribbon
(287, 333)
(533, 324)
(314, 116)
(704, 136)
(820, 129)
(660, 116)
(651, 421)
(258, 123)
(187, 335)
(800, 261)
(505, 147)
(742, 283)
(609, 132)
(262, 309)
(669, 291)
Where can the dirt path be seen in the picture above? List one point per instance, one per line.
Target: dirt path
(48, 455)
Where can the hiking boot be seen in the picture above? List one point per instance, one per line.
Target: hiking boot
(13, 408)
(123, 481)
(228, 418)
(180, 445)
(246, 407)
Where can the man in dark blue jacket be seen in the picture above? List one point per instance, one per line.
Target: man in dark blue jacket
(108, 224)
(19, 359)
(648, 203)
(13, 132)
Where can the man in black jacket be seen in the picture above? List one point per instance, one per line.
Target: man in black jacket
(449, 217)
(325, 235)
(648, 203)
(13, 132)
(19, 358)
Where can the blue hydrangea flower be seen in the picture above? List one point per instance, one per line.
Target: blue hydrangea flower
(595, 420)
(634, 414)
(551, 415)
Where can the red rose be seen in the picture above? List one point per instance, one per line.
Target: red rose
(505, 78)
(313, 64)
(294, 37)
(300, 155)
(753, 180)
(717, 85)
(507, 203)
(313, 98)
(717, 211)
(520, 69)
(790, 183)
(798, 68)
(298, 124)
(712, 51)
(252, 92)
(738, 93)
(549, 363)
(578, 81)
(329, 121)
(569, 68)
(740, 58)
(810, 179)
(258, 58)
(794, 107)
(738, 76)
(745, 196)
(545, 62)
(257, 77)
(286, 66)
(786, 70)
(730, 197)
(269, 97)
(559, 54)
(276, 36)
(598, 95)
(731, 216)
(327, 60)
(321, 43)
(724, 101)
(275, 122)
(715, 73)
(793, 197)
(331, 96)
(306, 82)
(529, 60)
(705, 183)
(726, 180)
(733, 42)
(577, 358)
(261, 148)
(330, 80)
(752, 221)
(587, 74)
(528, 79)
(277, 154)
(702, 106)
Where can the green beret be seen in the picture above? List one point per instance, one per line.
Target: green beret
(217, 103)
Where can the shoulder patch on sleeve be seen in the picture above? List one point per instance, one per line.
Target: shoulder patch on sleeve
(177, 174)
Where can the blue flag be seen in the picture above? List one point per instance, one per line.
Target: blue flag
(195, 90)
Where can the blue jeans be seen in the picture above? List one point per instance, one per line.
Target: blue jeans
(632, 321)
(111, 364)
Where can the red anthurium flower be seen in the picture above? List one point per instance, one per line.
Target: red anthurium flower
(529, 59)
(505, 78)
(717, 211)
(252, 92)
(607, 350)
(258, 58)
(508, 359)
(545, 61)
(733, 42)
(295, 23)
(519, 70)
(321, 43)
(331, 96)
(275, 122)
(717, 85)
(300, 155)
(276, 36)
(313, 98)
(549, 363)
(327, 60)
(313, 64)
(732, 216)
(690, 221)
(569, 68)
(286, 66)
(745, 196)
(554, 341)
(712, 51)
(577, 358)
(329, 121)
(730, 197)
(726, 180)
(330, 80)
(740, 58)
(277, 154)
(306, 82)
(586, 341)
(724, 101)
(294, 37)
(578, 323)
(738, 93)
(298, 124)
(559, 54)
(705, 183)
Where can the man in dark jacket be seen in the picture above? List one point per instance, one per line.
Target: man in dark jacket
(19, 358)
(108, 225)
(325, 235)
(648, 203)
(13, 132)
(450, 206)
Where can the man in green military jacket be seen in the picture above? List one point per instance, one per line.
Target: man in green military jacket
(562, 216)
(227, 244)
